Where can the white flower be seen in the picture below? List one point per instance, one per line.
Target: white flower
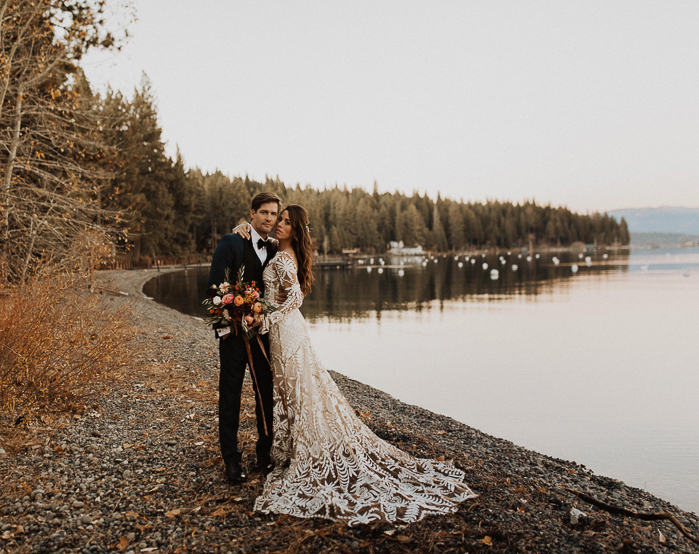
(216, 300)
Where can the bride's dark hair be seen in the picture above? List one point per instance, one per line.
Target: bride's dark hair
(301, 242)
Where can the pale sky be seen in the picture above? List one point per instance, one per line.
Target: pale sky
(590, 104)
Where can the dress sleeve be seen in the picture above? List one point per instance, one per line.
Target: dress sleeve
(288, 279)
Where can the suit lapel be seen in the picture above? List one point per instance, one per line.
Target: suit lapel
(251, 261)
(271, 251)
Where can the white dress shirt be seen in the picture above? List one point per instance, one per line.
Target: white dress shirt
(261, 252)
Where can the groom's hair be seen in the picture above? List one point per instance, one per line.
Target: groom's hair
(265, 198)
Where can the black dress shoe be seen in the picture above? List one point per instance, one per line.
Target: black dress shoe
(235, 473)
(265, 465)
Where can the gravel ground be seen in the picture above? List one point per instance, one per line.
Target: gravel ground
(139, 471)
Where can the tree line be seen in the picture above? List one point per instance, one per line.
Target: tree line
(86, 175)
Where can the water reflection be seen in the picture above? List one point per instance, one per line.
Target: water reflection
(404, 284)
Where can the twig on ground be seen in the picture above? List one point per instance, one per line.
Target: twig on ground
(636, 515)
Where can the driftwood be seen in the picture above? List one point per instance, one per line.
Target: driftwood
(636, 515)
(111, 291)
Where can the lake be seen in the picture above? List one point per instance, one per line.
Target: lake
(598, 366)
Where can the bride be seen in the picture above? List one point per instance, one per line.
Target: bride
(327, 462)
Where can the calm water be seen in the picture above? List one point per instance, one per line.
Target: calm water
(598, 366)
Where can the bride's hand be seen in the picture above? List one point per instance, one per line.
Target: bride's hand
(243, 230)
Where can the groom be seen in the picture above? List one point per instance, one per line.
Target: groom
(232, 252)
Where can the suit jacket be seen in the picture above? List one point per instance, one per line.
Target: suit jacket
(232, 252)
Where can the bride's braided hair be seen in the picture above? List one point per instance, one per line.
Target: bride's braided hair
(301, 242)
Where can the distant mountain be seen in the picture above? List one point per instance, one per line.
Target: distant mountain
(663, 239)
(660, 220)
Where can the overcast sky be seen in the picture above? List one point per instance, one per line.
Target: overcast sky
(589, 104)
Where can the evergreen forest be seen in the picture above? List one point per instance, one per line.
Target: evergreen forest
(86, 176)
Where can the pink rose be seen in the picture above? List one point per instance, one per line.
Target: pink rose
(249, 319)
(227, 299)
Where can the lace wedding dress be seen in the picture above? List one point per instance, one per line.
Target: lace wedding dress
(327, 462)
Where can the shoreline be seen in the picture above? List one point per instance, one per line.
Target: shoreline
(140, 469)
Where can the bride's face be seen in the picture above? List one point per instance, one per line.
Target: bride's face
(284, 230)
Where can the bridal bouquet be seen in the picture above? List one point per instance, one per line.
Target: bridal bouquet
(237, 305)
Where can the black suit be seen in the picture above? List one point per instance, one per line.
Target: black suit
(232, 252)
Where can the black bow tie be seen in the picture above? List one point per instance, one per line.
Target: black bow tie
(264, 244)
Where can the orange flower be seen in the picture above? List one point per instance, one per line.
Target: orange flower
(257, 307)
(238, 301)
(212, 311)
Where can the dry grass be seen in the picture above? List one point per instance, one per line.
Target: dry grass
(58, 343)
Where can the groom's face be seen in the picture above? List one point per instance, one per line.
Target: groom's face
(264, 218)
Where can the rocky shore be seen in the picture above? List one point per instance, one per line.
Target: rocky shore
(139, 471)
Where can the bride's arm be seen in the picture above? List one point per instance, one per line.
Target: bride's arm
(286, 270)
(243, 230)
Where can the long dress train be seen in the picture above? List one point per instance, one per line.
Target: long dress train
(329, 464)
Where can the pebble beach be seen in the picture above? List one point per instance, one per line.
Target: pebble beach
(139, 471)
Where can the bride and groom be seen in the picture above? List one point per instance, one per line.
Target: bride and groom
(321, 460)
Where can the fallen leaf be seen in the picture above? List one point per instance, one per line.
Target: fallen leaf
(173, 513)
(219, 513)
(198, 443)
(440, 458)
(403, 538)
(441, 432)
(167, 337)
(390, 532)
(123, 543)
(661, 537)
(487, 541)
(143, 528)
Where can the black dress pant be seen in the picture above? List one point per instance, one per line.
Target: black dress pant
(234, 359)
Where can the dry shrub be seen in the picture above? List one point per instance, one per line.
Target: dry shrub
(58, 342)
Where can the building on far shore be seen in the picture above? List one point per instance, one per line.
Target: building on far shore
(399, 249)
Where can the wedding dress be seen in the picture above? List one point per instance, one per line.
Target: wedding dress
(329, 464)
